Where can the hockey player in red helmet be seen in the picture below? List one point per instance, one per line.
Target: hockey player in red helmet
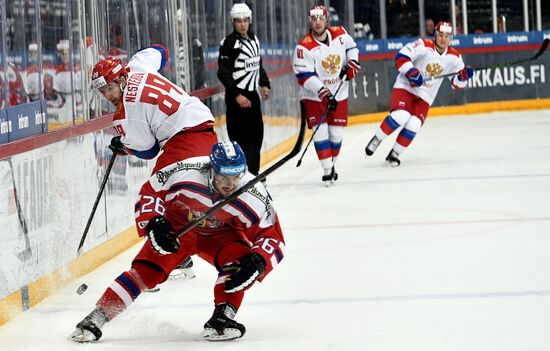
(109, 78)
(414, 90)
(322, 59)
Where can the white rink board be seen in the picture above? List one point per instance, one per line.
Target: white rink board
(447, 252)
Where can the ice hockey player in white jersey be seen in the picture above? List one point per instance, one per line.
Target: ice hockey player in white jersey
(322, 59)
(414, 90)
(152, 113)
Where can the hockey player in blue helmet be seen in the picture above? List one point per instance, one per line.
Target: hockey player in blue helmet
(243, 240)
(228, 167)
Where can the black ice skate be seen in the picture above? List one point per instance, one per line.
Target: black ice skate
(372, 146)
(183, 270)
(393, 159)
(88, 330)
(330, 178)
(222, 326)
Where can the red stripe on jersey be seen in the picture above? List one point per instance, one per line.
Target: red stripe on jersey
(302, 81)
(453, 51)
(335, 32)
(401, 61)
(455, 86)
(308, 42)
(429, 43)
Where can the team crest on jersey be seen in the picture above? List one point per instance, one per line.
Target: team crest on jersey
(434, 69)
(210, 222)
(331, 64)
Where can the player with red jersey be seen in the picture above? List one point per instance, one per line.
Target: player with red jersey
(414, 90)
(243, 240)
(321, 60)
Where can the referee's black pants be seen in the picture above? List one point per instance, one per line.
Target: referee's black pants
(246, 127)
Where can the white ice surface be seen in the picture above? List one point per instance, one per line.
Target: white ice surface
(450, 251)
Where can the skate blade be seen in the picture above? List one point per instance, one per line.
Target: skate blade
(153, 290)
(185, 273)
(393, 164)
(210, 334)
(82, 336)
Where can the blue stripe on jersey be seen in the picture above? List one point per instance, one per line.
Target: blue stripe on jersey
(128, 283)
(407, 134)
(147, 154)
(278, 255)
(322, 145)
(163, 54)
(196, 187)
(304, 75)
(392, 123)
(245, 210)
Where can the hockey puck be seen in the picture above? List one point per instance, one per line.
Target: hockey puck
(81, 289)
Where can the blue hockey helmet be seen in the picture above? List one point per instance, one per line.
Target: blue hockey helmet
(227, 158)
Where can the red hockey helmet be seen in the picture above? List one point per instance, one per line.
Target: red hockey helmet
(107, 71)
(444, 27)
(318, 12)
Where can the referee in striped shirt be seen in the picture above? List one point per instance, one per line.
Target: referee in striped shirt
(240, 71)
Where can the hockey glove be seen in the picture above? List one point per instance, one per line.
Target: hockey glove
(415, 77)
(159, 232)
(245, 272)
(327, 97)
(350, 70)
(117, 146)
(465, 73)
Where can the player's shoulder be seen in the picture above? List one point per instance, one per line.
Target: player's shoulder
(308, 42)
(427, 43)
(336, 31)
(452, 51)
(229, 40)
(188, 169)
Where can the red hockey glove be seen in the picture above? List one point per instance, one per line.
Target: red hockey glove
(159, 231)
(415, 77)
(465, 73)
(327, 97)
(244, 273)
(350, 70)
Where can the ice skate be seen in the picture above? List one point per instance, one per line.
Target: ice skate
(372, 146)
(183, 270)
(330, 176)
(222, 326)
(88, 330)
(393, 159)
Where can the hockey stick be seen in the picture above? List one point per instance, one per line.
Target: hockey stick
(539, 53)
(27, 252)
(103, 183)
(318, 125)
(260, 177)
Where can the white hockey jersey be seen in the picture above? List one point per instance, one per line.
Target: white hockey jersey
(153, 108)
(423, 55)
(317, 65)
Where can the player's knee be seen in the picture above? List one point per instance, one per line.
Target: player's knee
(149, 273)
(400, 116)
(414, 124)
